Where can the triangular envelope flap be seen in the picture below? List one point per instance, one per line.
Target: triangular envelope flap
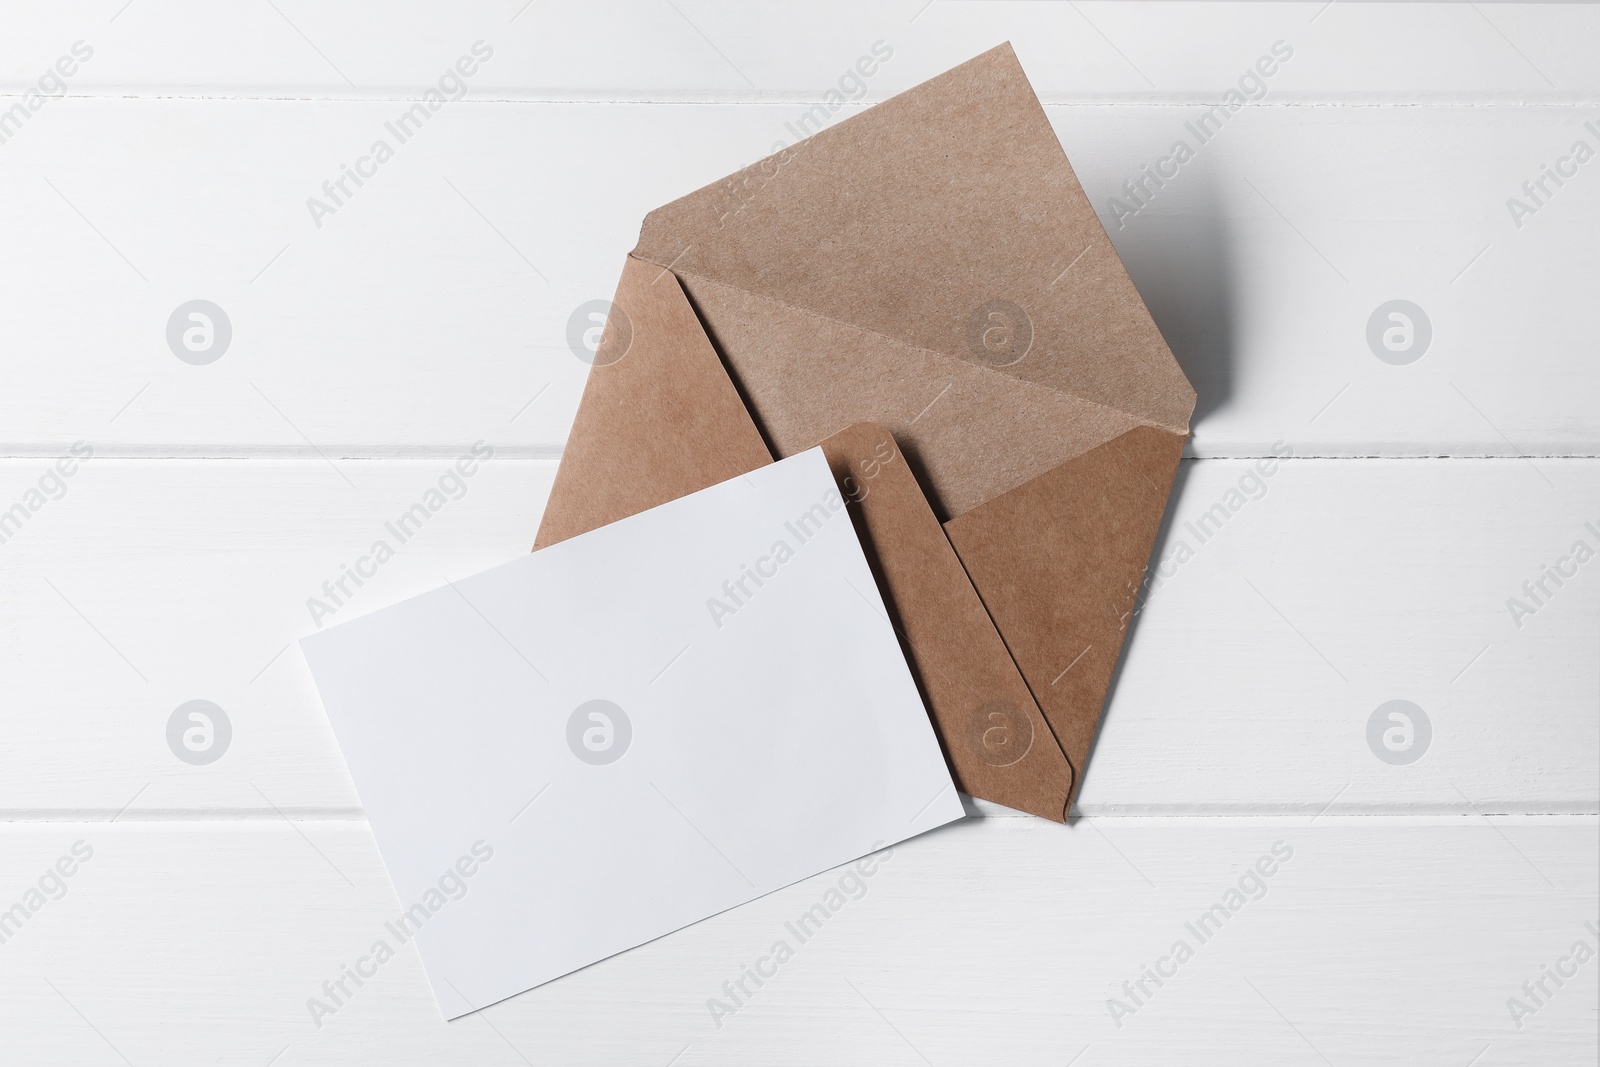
(659, 418)
(1058, 563)
(999, 745)
(970, 433)
(948, 218)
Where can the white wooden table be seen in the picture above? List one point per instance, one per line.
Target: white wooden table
(372, 344)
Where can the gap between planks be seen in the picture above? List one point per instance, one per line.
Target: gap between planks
(539, 98)
(18, 819)
(552, 454)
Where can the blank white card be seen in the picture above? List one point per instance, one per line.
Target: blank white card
(619, 735)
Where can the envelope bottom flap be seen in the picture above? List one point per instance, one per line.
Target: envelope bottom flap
(997, 740)
(1059, 563)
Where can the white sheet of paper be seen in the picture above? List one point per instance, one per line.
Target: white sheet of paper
(769, 730)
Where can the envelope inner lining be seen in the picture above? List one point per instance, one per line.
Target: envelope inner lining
(970, 432)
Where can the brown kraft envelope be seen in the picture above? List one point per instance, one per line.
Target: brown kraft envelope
(931, 266)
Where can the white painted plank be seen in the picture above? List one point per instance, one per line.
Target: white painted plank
(434, 305)
(1282, 612)
(431, 312)
(1377, 941)
(1265, 265)
(721, 49)
(1268, 645)
(150, 584)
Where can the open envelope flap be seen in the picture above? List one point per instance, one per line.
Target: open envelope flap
(948, 219)
(1059, 562)
(659, 418)
(999, 745)
(971, 434)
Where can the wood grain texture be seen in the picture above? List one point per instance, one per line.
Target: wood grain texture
(725, 50)
(434, 305)
(1265, 639)
(432, 309)
(1390, 941)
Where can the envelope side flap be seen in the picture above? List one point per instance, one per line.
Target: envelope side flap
(970, 434)
(947, 217)
(1059, 562)
(659, 418)
(998, 742)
